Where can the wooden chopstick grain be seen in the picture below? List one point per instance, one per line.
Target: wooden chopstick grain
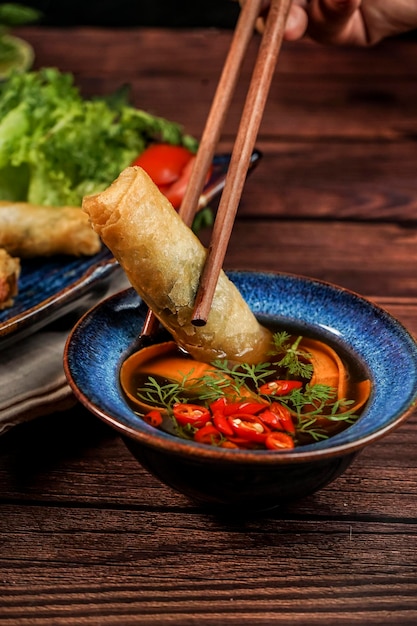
(245, 140)
(219, 108)
(242, 35)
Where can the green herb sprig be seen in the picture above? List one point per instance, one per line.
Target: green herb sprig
(243, 374)
(163, 396)
(322, 406)
(292, 357)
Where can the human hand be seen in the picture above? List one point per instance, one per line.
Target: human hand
(348, 22)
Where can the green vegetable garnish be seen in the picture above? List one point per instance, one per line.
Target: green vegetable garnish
(56, 146)
(291, 355)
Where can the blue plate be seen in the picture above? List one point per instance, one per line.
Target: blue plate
(50, 288)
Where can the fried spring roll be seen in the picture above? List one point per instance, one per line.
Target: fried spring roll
(28, 230)
(163, 261)
(9, 276)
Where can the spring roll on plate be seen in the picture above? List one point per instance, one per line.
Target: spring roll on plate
(9, 276)
(28, 230)
(163, 261)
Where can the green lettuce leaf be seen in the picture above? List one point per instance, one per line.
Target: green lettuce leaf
(56, 146)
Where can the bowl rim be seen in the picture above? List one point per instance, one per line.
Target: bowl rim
(154, 438)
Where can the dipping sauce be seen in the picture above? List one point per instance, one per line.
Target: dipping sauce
(302, 393)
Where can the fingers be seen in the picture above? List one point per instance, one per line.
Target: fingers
(297, 21)
(325, 20)
(336, 21)
(346, 22)
(335, 11)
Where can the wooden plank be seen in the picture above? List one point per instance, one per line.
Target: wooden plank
(377, 259)
(201, 52)
(345, 94)
(312, 108)
(332, 180)
(303, 570)
(143, 602)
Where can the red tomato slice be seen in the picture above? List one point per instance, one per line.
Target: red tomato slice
(193, 414)
(164, 162)
(279, 441)
(176, 191)
(170, 169)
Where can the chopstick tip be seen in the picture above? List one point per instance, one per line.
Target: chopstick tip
(198, 321)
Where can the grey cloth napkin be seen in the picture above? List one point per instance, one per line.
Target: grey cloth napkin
(32, 379)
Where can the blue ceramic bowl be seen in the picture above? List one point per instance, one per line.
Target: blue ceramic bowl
(253, 480)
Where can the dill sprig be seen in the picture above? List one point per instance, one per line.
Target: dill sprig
(210, 386)
(292, 357)
(243, 374)
(317, 396)
(160, 395)
(315, 405)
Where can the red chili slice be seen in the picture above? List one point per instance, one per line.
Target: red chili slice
(249, 427)
(279, 441)
(229, 444)
(243, 444)
(208, 434)
(284, 416)
(279, 387)
(270, 418)
(154, 418)
(218, 405)
(193, 414)
(243, 407)
(222, 424)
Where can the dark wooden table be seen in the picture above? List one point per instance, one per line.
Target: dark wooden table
(87, 535)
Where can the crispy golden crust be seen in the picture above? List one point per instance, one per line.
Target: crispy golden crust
(9, 277)
(163, 260)
(28, 230)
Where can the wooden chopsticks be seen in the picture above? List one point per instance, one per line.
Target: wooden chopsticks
(219, 107)
(242, 36)
(245, 141)
(240, 160)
